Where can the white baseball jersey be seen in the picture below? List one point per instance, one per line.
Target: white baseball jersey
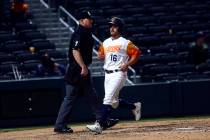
(116, 52)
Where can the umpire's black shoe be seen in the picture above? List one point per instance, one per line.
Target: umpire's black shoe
(111, 123)
(63, 130)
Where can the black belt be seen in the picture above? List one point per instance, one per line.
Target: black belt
(111, 71)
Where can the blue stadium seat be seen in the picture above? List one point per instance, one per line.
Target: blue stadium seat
(149, 40)
(155, 29)
(25, 56)
(14, 46)
(6, 37)
(25, 26)
(42, 45)
(148, 59)
(55, 53)
(7, 57)
(161, 49)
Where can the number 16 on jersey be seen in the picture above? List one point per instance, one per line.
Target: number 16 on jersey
(113, 57)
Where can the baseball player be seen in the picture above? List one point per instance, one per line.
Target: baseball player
(118, 54)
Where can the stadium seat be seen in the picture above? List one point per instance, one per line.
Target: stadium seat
(14, 46)
(170, 58)
(6, 37)
(149, 40)
(155, 29)
(54, 53)
(30, 67)
(6, 68)
(25, 26)
(28, 35)
(7, 58)
(185, 68)
(42, 45)
(25, 56)
(160, 49)
(148, 59)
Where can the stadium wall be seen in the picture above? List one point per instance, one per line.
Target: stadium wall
(36, 102)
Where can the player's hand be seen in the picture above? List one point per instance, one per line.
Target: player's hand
(101, 56)
(84, 71)
(124, 67)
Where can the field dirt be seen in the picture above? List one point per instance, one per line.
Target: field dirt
(171, 129)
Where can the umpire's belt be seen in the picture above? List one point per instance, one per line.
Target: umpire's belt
(111, 71)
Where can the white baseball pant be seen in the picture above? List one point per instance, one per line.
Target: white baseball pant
(114, 82)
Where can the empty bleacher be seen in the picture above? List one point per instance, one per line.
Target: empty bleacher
(16, 41)
(162, 29)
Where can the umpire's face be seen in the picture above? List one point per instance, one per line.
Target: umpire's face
(114, 30)
(87, 23)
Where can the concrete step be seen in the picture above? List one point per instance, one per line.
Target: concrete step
(96, 68)
(62, 43)
(57, 35)
(62, 46)
(97, 63)
(95, 58)
(97, 73)
(43, 19)
(62, 49)
(63, 31)
(62, 28)
(45, 15)
(40, 9)
(56, 39)
(49, 25)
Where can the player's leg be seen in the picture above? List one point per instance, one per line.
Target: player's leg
(137, 111)
(135, 107)
(111, 85)
(122, 103)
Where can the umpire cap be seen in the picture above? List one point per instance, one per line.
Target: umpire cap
(117, 22)
(84, 14)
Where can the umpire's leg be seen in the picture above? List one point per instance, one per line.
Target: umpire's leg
(92, 97)
(67, 106)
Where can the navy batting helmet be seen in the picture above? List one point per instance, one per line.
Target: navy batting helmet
(117, 22)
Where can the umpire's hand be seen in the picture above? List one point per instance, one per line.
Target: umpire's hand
(84, 71)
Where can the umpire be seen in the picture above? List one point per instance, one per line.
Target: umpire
(77, 77)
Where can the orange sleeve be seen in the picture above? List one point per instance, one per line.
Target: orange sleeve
(132, 50)
(101, 50)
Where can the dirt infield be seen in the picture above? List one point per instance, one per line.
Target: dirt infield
(172, 129)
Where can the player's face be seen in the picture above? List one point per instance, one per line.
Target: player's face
(114, 30)
(88, 23)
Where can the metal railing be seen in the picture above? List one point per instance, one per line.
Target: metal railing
(16, 72)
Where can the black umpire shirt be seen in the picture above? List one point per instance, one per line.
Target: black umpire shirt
(82, 41)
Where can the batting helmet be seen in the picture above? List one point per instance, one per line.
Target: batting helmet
(117, 22)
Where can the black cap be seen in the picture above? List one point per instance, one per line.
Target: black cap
(84, 14)
(117, 21)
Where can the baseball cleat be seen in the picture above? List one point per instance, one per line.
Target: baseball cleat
(110, 123)
(63, 130)
(137, 111)
(95, 128)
